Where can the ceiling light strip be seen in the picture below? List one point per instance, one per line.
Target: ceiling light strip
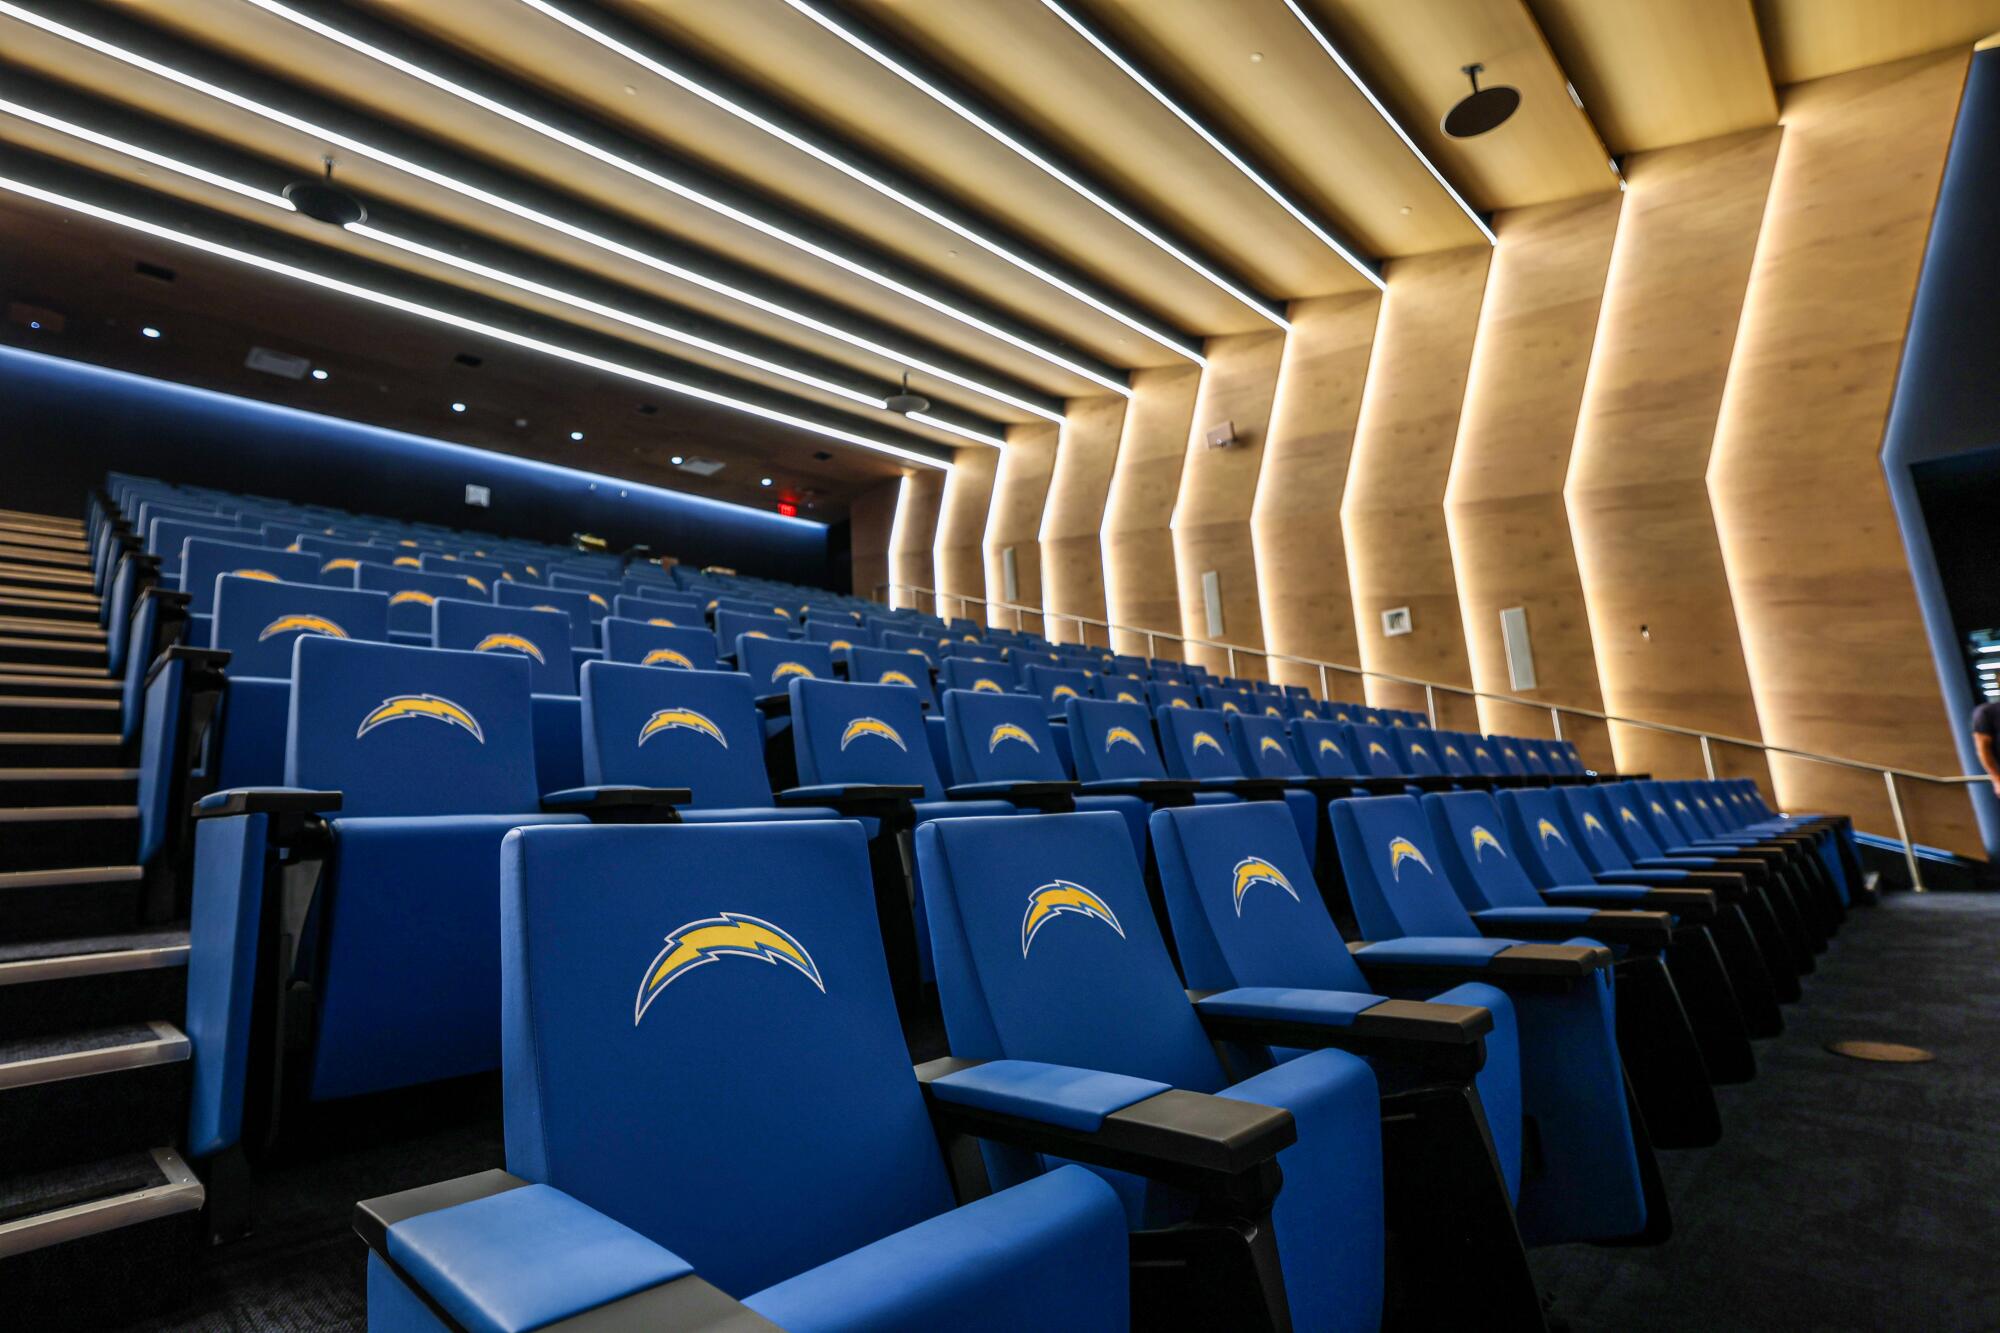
(91, 136)
(360, 148)
(777, 131)
(1333, 54)
(682, 191)
(1025, 153)
(445, 317)
(1250, 173)
(939, 423)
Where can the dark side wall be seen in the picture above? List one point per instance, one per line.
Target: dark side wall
(64, 424)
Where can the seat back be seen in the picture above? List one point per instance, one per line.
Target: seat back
(574, 604)
(168, 538)
(694, 729)
(951, 645)
(1121, 689)
(1631, 821)
(1394, 870)
(644, 644)
(1534, 758)
(1227, 699)
(844, 732)
(1167, 672)
(596, 592)
(1262, 747)
(1478, 857)
(1592, 819)
(726, 981)
(732, 625)
(1170, 694)
(256, 621)
(1000, 738)
(207, 560)
(1055, 684)
(881, 666)
(1324, 749)
(411, 731)
(1548, 839)
(1507, 751)
(1112, 741)
(969, 673)
(1454, 755)
(772, 662)
(1195, 743)
(1420, 752)
(1047, 949)
(481, 575)
(1343, 711)
(1374, 750)
(904, 641)
(540, 636)
(837, 635)
(1243, 904)
(412, 594)
(1672, 818)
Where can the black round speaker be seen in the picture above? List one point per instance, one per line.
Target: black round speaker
(323, 201)
(907, 402)
(1482, 109)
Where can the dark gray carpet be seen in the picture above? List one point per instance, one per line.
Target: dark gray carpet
(1843, 1195)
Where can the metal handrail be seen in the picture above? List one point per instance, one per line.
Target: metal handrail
(1890, 774)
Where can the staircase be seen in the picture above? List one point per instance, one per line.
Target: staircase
(98, 1213)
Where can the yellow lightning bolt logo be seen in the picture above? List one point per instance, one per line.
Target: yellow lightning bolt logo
(1479, 752)
(1590, 824)
(1202, 738)
(475, 583)
(1482, 838)
(399, 707)
(1376, 747)
(1256, 870)
(597, 599)
(871, 726)
(1307, 715)
(666, 657)
(1230, 707)
(1127, 697)
(1009, 731)
(1625, 814)
(407, 562)
(1401, 850)
(261, 575)
(1451, 752)
(1546, 829)
(662, 622)
(784, 669)
(680, 719)
(409, 595)
(1063, 692)
(342, 563)
(730, 935)
(985, 686)
(513, 643)
(1122, 736)
(1179, 703)
(1328, 747)
(894, 678)
(302, 623)
(838, 644)
(1063, 898)
(1269, 745)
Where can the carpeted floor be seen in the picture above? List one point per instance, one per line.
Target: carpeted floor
(1843, 1196)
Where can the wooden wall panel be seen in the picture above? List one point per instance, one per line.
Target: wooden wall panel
(1072, 552)
(1302, 587)
(1020, 490)
(1211, 521)
(1510, 536)
(1660, 613)
(870, 520)
(1392, 516)
(1140, 587)
(959, 553)
(913, 542)
(1831, 631)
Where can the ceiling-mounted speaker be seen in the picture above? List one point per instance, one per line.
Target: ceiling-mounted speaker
(1482, 109)
(323, 201)
(907, 402)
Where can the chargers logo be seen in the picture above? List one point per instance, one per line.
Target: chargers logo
(533, 573)
(895, 678)
(731, 935)
(1063, 692)
(1482, 838)
(784, 669)
(781, 611)
(1127, 697)
(1451, 752)
(1256, 870)
(264, 575)
(293, 548)
(1546, 829)
(1479, 752)
(476, 583)
(1202, 738)
(1272, 710)
(985, 686)
(1659, 810)
(666, 657)
(1268, 744)
(1625, 815)
(1122, 736)
(1416, 748)
(1590, 824)
(1401, 850)
(748, 634)
(919, 652)
(544, 606)
(409, 595)
(406, 542)
(680, 719)
(871, 726)
(408, 562)
(1307, 715)
(838, 644)
(1058, 898)
(662, 622)
(1342, 717)
(1328, 747)
(398, 707)
(1179, 703)
(597, 599)
(1009, 731)
(342, 563)
(515, 643)
(713, 602)
(302, 623)
(1375, 747)
(1229, 707)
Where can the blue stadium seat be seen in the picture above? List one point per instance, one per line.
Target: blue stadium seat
(968, 673)
(574, 604)
(1002, 745)
(645, 644)
(412, 594)
(881, 666)
(773, 662)
(543, 637)
(1055, 684)
(1196, 744)
(731, 625)
(1171, 694)
(205, 560)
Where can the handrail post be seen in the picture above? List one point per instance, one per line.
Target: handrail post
(1431, 706)
(1903, 831)
(1149, 646)
(1707, 757)
(1556, 720)
(1232, 662)
(1323, 694)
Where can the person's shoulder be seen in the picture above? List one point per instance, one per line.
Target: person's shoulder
(1986, 717)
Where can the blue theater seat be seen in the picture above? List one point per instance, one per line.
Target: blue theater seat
(1196, 744)
(881, 666)
(205, 560)
(1002, 745)
(1171, 694)
(773, 662)
(480, 575)
(731, 625)
(1787, 869)
(412, 594)
(645, 644)
(902, 641)
(576, 605)
(1055, 684)
(543, 638)
(970, 673)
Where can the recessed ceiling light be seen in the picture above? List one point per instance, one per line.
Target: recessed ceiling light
(319, 374)
(149, 332)
(576, 435)
(763, 481)
(675, 460)
(1256, 57)
(458, 407)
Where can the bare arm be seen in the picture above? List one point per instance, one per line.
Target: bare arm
(1988, 760)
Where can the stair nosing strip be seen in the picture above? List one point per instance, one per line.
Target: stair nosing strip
(43, 814)
(60, 738)
(168, 1045)
(29, 971)
(58, 774)
(181, 1193)
(52, 878)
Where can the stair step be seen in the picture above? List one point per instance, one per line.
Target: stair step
(64, 985)
(60, 522)
(59, 578)
(85, 1094)
(32, 1061)
(66, 837)
(10, 549)
(49, 627)
(53, 749)
(18, 650)
(13, 603)
(59, 715)
(76, 899)
(33, 787)
(99, 1244)
(30, 681)
(16, 534)
(54, 669)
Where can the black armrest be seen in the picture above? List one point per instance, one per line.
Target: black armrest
(1198, 1142)
(1049, 797)
(209, 662)
(167, 597)
(1158, 791)
(1250, 789)
(266, 801)
(620, 805)
(1644, 930)
(856, 800)
(1438, 1039)
(1522, 967)
(374, 1217)
(774, 705)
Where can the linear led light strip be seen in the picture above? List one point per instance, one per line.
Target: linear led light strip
(685, 192)
(1029, 155)
(484, 330)
(482, 270)
(1334, 55)
(1180, 113)
(509, 206)
(854, 173)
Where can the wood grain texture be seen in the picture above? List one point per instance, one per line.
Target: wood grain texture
(1831, 631)
(1073, 519)
(1510, 536)
(1810, 39)
(1392, 515)
(959, 553)
(870, 521)
(912, 558)
(1211, 521)
(1140, 587)
(1294, 524)
(1661, 618)
(1014, 520)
